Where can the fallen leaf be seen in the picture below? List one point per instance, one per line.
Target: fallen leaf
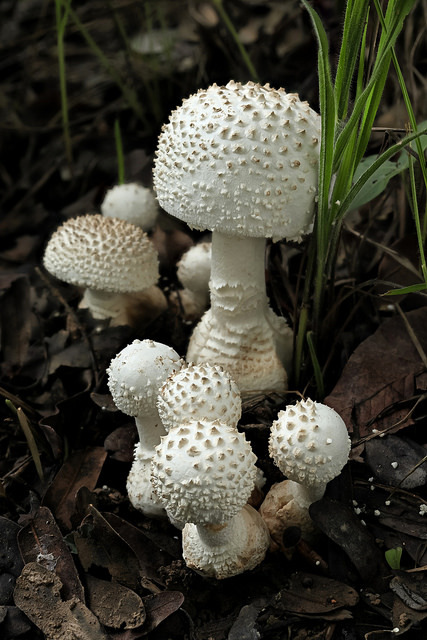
(98, 544)
(380, 373)
(114, 605)
(15, 323)
(394, 461)
(343, 527)
(41, 541)
(82, 469)
(37, 594)
(160, 606)
(121, 443)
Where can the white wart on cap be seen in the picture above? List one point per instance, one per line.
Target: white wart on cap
(131, 202)
(107, 256)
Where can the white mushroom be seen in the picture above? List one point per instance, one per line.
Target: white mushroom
(135, 377)
(240, 160)
(203, 473)
(194, 272)
(310, 444)
(131, 202)
(108, 257)
(197, 392)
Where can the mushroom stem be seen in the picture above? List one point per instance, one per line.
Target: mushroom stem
(150, 429)
(237, 332)
(221, 551)
(102, 304)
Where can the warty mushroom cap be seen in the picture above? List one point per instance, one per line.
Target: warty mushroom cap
(240, 159)
(203, 472)
(136, 374)
(309, 443)
(104, 254)
(131, 202)
(197, 392)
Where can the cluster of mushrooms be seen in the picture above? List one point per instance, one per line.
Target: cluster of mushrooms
(241, 161)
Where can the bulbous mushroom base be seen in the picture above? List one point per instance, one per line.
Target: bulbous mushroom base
(247, 352)
(284, 506)
(223, 551)
(139, 488)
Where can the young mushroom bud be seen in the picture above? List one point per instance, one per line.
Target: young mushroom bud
(203, 472)
(107, 256)
(198, 392)
(240, 160)
(135, 377)
(194, 272)
(310, 444)
(131, 202)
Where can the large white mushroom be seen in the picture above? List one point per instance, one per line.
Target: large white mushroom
(135, 377)
(204, 472)
(108, 257)
(241, 160)
(309, 442)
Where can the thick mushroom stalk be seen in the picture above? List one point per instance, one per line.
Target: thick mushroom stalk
(237, 331)
(241, 161)
(203, 473)
(135, 377)
(309, 443)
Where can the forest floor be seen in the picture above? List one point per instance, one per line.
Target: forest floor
(76, 560)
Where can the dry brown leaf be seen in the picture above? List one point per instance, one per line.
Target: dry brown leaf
(41, 541)
(37, 594)
(381, 372)
(82, 469)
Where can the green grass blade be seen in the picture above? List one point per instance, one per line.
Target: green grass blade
(119, 153)
(353, 32)
(26, 428)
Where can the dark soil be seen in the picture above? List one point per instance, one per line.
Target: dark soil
(88, 565)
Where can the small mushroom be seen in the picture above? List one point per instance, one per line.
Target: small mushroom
(135, 377)
(194, 272)
(203, 473)
(131, 202)
(197, 392)
(240, 160)
(107, 256)
(310, 444)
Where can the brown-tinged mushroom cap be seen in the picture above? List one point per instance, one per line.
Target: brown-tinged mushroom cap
(104, 254)
(240, 159)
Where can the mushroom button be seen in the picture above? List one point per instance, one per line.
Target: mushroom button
(194, 272)
(107, 256)
(135, 376)
(131, 202)
(196, 392)
(240, 160)
(203, 473)
(310, 444)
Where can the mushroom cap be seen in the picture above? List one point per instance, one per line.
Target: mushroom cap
(241, 159)
(100, 253)
(197, 392)
(309, 443)
(137, 373)
(194, 268)
(131, 202)
(203, 472)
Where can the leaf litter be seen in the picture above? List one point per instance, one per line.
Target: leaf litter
(76, 560)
